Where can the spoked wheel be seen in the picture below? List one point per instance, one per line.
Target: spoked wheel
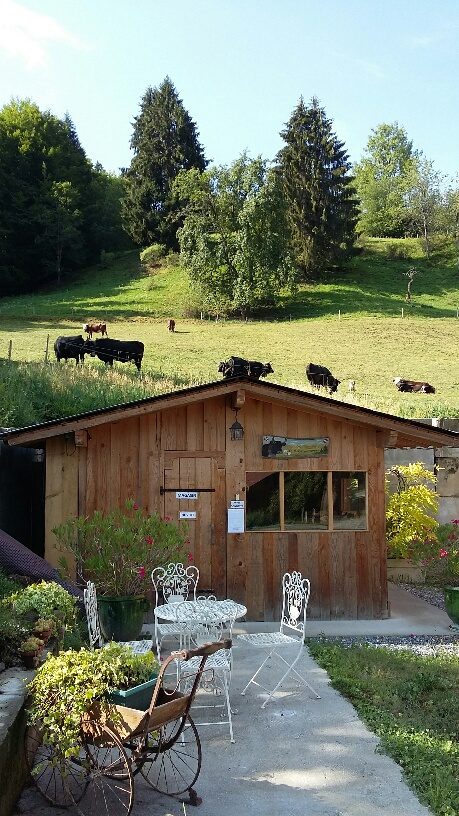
(61, 781)
(109, 790)
(173, 759)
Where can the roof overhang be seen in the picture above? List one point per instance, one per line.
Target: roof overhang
(396, 432)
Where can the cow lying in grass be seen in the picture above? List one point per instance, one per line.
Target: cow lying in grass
(413, 386)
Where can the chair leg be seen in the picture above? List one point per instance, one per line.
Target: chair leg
(228, 706)
(291, 668)
(252, 679)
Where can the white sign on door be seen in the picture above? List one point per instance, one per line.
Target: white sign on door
(186, 494)
(187, 514)
(235, 520)
(237, 504)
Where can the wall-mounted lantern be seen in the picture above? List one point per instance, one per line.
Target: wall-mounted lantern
(236, 430)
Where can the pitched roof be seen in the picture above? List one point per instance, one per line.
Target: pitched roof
(400, 432)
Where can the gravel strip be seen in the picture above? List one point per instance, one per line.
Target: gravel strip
(432, 595)
(422, 645)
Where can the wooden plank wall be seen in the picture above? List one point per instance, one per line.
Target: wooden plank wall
(126, 459)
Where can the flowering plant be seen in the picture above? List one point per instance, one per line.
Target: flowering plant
(444, 565)
(119, 549)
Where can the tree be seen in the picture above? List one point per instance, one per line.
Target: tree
(164, 141)
(234, 241)
(424, 199)
(321, 204)
(383, 178)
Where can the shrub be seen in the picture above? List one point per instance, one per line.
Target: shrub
(13, 631)
(46, 600)
(443, 566)
(152, 255)
(410, 523)
(7, 585)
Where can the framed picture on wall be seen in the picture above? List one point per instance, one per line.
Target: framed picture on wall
(285, 447)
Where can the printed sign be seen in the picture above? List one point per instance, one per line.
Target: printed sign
(236, 520)
(239, 504)
(188, 514)
(186, 494)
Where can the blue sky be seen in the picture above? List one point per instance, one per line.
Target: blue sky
(240, 67)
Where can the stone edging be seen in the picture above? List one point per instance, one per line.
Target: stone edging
(13, 771)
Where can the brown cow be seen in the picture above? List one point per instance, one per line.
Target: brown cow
(95, 328)
(413, 386)
(171, 325)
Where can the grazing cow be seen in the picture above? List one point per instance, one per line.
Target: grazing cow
(107, 350)
(95, 328)
(69, 348)
(319, 376)
(413, 386)
(171, 325)
(238, 366)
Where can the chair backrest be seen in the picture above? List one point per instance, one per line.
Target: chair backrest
(96, 640)
(175, 582)
(295, 597)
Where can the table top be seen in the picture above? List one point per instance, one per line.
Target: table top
(223, 610)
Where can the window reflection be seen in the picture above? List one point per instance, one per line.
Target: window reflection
(305, 501)
(263, 511)
(349, 501)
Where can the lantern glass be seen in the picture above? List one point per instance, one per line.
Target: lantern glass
(236, 430)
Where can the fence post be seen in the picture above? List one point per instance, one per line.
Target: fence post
(46, 349)
(402, 311)
(10, 347)
(201, 316)
(339, 314)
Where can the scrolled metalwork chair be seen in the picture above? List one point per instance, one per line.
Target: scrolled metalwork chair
(96, 640)
(295, 597)
(173, 583)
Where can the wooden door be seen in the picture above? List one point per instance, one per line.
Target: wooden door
(206, 476)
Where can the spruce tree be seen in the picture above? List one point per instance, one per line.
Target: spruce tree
(164, 141)
(322, 208)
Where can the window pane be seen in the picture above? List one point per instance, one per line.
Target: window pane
(263, 501)
(305, 501)
(349, 501)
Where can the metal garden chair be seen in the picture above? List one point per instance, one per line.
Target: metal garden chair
(295, 597)
(96, 640)
(173, 584)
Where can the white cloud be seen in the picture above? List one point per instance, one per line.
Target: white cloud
(27, 34)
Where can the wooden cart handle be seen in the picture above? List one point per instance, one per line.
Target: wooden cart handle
(208, 649)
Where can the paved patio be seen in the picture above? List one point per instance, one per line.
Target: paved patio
(300, 755)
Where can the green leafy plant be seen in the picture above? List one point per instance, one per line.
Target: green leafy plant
(44, 627)
(410, 510)
(66, 687)
(13, 630)
(443, 565)
(46, 600)
(31, 645)
(118, 550)
(7, 585)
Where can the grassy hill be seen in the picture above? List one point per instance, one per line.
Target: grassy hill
(353, 324)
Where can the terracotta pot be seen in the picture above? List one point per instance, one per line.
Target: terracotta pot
(30, 659)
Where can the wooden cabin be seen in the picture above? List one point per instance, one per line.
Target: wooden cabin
(302, 489)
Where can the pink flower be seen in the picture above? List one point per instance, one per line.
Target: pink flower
(149, 540)
(135, 506)
(167, 518)
(141, 572)
(455, 521)
(443, 553)
(190, 557)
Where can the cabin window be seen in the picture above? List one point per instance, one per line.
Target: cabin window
(306, 500)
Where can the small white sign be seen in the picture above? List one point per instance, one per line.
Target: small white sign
(186, 494)
(236, 520)
(239, 504)
(188, 514)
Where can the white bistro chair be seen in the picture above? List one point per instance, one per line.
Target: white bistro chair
(200, 625)
(96, 640)
(173, 584)
(295, 597)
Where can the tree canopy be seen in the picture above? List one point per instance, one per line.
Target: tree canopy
(164, 141)
(321, 205)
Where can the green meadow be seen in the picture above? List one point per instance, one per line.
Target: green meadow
(357, 324)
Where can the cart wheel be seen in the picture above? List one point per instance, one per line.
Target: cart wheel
(109, 790)
(173, 759)
(61, 781)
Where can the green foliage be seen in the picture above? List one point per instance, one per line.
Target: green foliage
(164, 141)
(383, 179)
(442, 567)
(234, 241)
(152, 255)
(411, 703)
(46, 600)
(31, 645)
(118, 550)
(321, 204)
(410, 523)
(66, 686)
(13, 630)
(7, 585)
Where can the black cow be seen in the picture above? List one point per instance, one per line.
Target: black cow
(413, 386)
(238, 366)
(107, 350)
(69, 348)
(319, 376)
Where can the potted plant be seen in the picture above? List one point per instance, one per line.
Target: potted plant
(29, 650)
(44, 628)
(443, 569)
(410, 521)
(48, 601)
(118, 551)
(68, 685)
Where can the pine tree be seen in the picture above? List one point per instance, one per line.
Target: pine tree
(322, 208)
(164, 141)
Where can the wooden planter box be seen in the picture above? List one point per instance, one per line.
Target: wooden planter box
(402, 569)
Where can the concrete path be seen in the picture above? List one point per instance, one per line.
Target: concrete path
(298, 757)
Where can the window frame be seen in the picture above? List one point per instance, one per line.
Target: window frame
(330, 528)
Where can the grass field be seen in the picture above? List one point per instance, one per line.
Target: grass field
(353, 325)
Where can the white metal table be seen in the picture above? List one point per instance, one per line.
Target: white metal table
(222, 611)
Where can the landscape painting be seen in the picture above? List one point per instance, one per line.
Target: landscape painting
(284, 447)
